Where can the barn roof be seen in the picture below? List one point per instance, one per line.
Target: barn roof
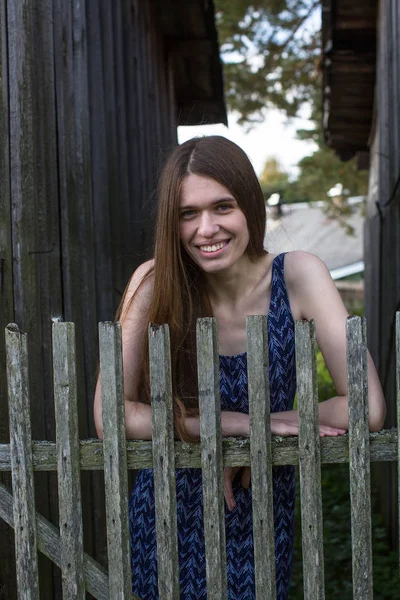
(191, 38)
(349, 65)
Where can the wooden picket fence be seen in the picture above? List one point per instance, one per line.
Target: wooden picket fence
(64, 546)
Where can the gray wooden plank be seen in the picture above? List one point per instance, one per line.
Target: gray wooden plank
(398, 410)
(115, 464)
(21, 464)
(211, 458)
(68, 463)
(360, 482)
(164, 462)
(309, 461)
(100, 164)
(6, 288)
(236, 452)
(261, 456)
(74, 168)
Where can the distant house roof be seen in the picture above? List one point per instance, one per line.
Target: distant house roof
(349, 59)
(306, 227)
(191, 38)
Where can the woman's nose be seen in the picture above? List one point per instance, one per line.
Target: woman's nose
(207, 225)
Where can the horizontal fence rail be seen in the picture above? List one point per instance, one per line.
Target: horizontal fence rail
(68, 456)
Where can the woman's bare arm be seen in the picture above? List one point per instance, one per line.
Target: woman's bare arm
(134, 323)
(313, 295)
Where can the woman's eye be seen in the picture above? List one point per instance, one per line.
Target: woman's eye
(224, 207)
(186, 214)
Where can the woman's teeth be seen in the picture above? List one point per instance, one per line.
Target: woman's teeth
(213, 248)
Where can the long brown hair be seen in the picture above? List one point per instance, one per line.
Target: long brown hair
(179, 291)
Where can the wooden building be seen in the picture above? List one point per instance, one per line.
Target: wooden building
(361, 71)
(91, 94)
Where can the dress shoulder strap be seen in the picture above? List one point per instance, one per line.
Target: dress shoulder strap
(278, 290)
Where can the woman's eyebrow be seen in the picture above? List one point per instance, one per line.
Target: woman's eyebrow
(214, 202)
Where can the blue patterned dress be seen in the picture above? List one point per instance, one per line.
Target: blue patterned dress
(239, 532)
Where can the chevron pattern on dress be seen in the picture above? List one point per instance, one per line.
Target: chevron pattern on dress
(238, 523)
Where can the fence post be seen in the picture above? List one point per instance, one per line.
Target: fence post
(211, 458)
(309, 462)
(115, 463)
(68, 460)
(164, 462)
(359, 458)
(21, 463)
(261, 457)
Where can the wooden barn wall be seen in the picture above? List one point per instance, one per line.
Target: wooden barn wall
(382, 232)
(86, 112)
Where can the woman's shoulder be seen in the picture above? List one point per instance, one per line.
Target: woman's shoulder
(310, 285)
(139, 288)
(303, 267)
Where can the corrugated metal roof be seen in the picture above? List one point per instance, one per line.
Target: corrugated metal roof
(307, 227)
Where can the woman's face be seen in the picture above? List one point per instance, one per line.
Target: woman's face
(212, 228)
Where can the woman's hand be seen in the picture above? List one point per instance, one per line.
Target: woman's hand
(230, 474)
(283, 424)
(287, 423)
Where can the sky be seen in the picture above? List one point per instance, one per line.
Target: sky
(273, 138)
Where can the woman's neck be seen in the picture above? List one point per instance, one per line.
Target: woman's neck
(231, 286)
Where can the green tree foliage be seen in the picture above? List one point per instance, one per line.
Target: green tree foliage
(323, 169)
(273, 178)
(271, 51)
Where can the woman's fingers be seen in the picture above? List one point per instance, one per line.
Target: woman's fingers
(325, 430)
(285, 427)
(229, 474)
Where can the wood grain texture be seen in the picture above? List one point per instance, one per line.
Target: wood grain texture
(68, 468)
(360, 478)
(6, 287)
(309, 461)
(211, 458)
(398, 410)
(21, 464)
(48, 541)
(164, 462)
(261, 456)
(235, 452)
(115, 466)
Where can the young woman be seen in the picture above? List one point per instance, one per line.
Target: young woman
(209, 259)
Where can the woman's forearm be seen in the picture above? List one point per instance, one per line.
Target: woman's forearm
(138, 422)
(332, 412)
(335, 413)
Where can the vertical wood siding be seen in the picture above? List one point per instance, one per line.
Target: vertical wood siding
(382, 230)
(92, 112)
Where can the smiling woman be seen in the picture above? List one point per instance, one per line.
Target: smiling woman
(209, 260)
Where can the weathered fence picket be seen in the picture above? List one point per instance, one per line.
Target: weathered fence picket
(261, 456)
(21, 463)
(360, 477)
(309, 462)
(164, 462)
(68, 469)
(68, 457)
(115, 467)
(211, 458)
